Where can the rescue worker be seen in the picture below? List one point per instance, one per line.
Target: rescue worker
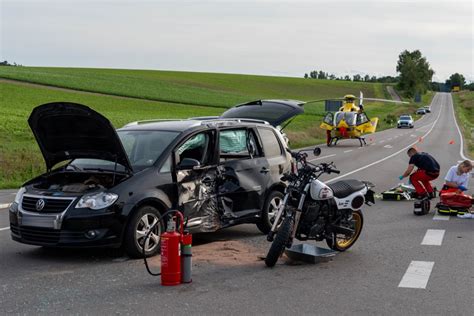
(457, 178)
(428, 170)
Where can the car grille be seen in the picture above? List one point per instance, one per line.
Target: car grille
(43, 235)
(51, 205)
(37, 234)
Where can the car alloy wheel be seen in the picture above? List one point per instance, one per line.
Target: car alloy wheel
(146, 222)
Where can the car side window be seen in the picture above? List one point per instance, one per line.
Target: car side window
(196, 148)
(271, 145)
(238, 144)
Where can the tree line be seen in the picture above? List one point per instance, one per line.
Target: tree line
(6, 63)
(414, 76)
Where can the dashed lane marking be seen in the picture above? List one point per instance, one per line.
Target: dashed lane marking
(347, 151)
(382, 141)
(4, 228)
(387, 146)
(4, 205)
(433, 237)
(417, 275)
(438, 217)
(319, 158)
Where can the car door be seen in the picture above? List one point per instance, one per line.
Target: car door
(196, 176)
(245, 173)
(274, 153)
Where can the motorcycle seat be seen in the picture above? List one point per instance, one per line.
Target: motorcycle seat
(343, 188)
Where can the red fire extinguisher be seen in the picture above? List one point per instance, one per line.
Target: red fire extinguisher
(175, 253)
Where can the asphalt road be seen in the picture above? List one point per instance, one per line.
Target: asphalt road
(373, 277)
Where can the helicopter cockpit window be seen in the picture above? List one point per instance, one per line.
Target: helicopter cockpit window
(362, 118)
(348, 117)
(328, 119)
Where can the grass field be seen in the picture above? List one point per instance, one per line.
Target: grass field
(20, 158)
(464, 109)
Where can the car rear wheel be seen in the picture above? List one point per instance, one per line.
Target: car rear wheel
(142, 221)
(273, 201)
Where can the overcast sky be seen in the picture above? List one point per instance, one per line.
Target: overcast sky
(282, 38)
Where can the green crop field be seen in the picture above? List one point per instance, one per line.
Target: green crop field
(156, 94)
(464, 106)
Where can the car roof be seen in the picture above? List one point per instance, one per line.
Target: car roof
(186, 124)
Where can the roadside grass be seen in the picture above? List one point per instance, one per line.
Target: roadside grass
(464, 109)
(208, 89)
(20, 157)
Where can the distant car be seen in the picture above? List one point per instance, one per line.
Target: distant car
(421, 111)
(427, 108)
(405, 121)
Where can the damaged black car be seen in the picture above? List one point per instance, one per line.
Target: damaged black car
(106, 188)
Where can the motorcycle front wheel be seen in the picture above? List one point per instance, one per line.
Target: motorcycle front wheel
(342, 243)
(279, 243)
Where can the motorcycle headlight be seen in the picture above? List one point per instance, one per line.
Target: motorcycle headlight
(19, 195)
(97, 201)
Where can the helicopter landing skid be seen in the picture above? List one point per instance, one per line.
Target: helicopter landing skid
(333, 141)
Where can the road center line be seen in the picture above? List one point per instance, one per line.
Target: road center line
(433, 237)
(322, 157)
(4, 228)
(438, 217)
(417, 275)
(347, 151)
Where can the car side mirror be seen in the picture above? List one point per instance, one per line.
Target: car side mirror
(188, 164)
(317, 151)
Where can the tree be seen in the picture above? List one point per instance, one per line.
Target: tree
(347, 78)
(456, 80)
(415, 73)
(366, 78)
(321, 75)
(306, 76)
(357, 77)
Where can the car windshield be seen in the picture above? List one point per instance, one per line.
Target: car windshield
(405, 118)
(143, 148)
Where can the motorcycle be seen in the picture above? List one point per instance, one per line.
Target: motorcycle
(312, 210)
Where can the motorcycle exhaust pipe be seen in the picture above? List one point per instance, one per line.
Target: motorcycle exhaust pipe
(342, 230)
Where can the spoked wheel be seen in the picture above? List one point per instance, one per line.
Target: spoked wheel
(342, 242)
(280, 242)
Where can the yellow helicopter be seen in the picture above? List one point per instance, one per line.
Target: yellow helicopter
(350, 121)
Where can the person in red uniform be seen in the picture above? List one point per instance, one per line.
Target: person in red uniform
(428, 170)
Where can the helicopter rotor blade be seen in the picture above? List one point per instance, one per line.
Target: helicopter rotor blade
(320, 100)
(385, 100)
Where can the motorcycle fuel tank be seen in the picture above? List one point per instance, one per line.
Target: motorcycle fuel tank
(320, 191)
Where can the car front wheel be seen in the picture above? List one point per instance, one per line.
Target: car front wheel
(269, 211)
(142, 221)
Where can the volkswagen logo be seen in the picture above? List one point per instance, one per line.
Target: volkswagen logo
(40, 204)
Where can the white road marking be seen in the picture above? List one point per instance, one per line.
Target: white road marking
(322, 157)
(347, 151)
(360, 147)
(433, 237)
(438, 217)
(4, 228)
(388, 157)
(382, 141)
(411, 135)
(4, 205)
(461, 145)
(387, 146)
(417, 275)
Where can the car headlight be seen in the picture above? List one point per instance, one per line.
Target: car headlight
(97, 201)
(399, 122)
(19, 195)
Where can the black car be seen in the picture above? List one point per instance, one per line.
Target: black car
(106, 188)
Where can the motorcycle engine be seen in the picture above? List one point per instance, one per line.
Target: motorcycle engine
(313, 220)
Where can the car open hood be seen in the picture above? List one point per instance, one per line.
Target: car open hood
(68, 130)
(274, 112)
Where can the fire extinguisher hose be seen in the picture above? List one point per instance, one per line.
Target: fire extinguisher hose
(160, 220)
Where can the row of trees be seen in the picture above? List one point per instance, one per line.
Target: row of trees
(6, 63)
(325, 75)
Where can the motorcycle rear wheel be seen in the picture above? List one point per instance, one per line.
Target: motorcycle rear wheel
(341, 243)
(280, 242)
